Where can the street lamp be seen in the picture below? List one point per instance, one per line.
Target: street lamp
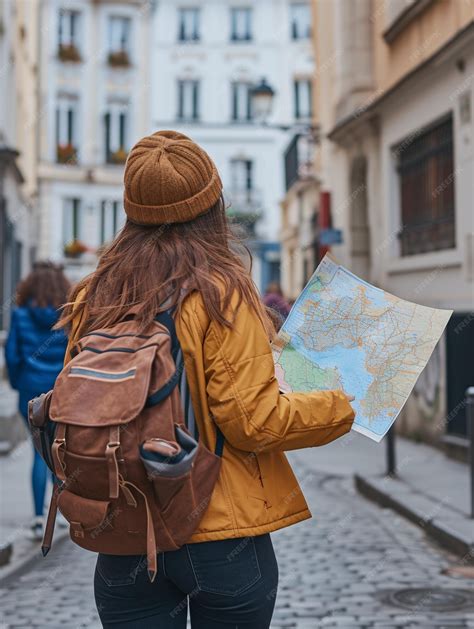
(262, 103)
(262, 100)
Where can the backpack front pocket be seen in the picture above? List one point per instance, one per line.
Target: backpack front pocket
(85, 516)
(81, 469)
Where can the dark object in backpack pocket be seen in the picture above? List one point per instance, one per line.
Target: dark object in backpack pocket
(42, 429)
(169, 459)
(168, 464)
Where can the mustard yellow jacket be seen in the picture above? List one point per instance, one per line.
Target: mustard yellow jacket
(232, 382)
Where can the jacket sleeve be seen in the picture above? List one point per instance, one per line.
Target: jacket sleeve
(245, 400)
(13, 357)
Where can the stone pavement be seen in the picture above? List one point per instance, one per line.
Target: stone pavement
(16, 506)
(334, 569)
(429, 488)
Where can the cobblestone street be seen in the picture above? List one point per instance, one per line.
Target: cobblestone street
(334, 570)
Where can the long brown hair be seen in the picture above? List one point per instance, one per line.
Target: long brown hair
(46, 285)
(146, 265)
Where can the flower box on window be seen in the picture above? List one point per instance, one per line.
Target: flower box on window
(66, 154)
(74, 249)
(69, 52)
(118, 157)
(119, 59)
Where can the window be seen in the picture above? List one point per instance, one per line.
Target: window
(188, 100)
(241, 101)
(119, 40)
(241, 175)
(111, 218)
(116, 134)
(300, 20)
(72, 221)
(241, 24)
(66, 130)
(427, 179)
(303, 98)
(189, 25)
(68, 35)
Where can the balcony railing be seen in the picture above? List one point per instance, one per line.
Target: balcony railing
(245, 208)
(245, 200)
(299, 159)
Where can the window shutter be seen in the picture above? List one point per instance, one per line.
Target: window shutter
(180, 100)
(296, 99)
(195, 100)
(107, 135)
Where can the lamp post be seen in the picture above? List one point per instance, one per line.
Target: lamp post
(262, 98)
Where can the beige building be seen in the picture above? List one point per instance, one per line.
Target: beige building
(299, 251)
(394, 92)
(18, 114)
(17, 179)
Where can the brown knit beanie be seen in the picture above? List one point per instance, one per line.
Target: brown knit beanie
(169, 179)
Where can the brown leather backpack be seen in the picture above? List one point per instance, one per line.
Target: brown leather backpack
(132, 479)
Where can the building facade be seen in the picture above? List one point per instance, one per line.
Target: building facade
(300, 214)
(17, 61)
(395, 95)
(93, 105)
(207, 56)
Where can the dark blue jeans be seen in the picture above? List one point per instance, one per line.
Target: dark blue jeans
(228, 583)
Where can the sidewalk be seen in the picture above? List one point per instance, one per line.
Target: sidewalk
(430, 490)
(16, 510)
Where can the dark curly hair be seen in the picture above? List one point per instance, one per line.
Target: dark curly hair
(46, 285)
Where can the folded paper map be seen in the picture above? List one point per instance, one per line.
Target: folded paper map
(343, 333)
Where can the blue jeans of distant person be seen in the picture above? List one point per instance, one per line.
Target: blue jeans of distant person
(39, 470)
(227, 583)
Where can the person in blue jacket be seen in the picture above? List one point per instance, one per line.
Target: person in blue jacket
(34, 353)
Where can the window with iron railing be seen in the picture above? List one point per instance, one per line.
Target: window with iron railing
(188, 30)
(111, 218)
(66, 130)
(426, 182)
(68, 35)
(188, 100)
(300, 20)
(119, 41)
(241, 101)
(241, 24)
(303, 97)
(72, 221)
(116, 134)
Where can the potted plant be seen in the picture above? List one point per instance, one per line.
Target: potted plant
(119, 156)
(69, 52)
(66, 154)
(74, 249)
(119, 59)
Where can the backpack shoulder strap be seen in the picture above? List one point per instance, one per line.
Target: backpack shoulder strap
(167, 320)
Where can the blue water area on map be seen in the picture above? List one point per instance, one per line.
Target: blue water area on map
(350, 364)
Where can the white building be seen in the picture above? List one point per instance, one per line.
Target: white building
(94, 96)
(206, 57)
